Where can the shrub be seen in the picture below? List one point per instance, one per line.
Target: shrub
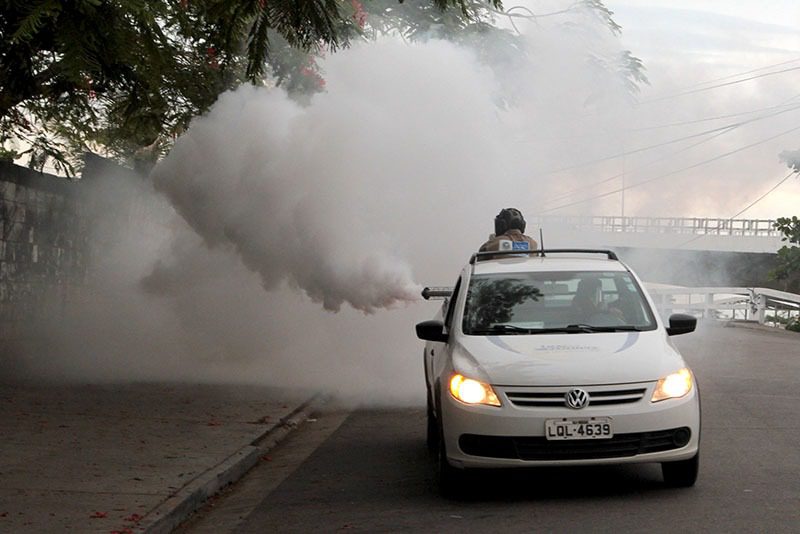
(777, 319)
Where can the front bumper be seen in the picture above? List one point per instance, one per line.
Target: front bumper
(514, 436)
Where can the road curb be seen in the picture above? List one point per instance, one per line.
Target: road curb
(177, 508)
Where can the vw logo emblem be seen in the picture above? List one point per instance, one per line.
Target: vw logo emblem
(576, 399)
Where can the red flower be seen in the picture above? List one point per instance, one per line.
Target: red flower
(211, 53)
(359, 15)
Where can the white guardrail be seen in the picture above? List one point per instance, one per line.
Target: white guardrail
(767, 306)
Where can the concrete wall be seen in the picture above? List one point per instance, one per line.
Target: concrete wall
(53, 232)
(44, 244)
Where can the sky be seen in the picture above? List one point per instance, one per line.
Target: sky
(686, 42)
(779, 12)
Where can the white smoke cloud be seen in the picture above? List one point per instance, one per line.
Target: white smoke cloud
(238, 179)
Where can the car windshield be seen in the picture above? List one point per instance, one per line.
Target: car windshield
(550, 302)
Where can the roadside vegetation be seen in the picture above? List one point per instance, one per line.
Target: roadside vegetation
(788, 263)
(788, 266)
(787, 269)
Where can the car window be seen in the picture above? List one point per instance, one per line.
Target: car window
(519, 303)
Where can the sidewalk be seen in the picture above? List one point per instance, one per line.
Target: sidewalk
(128, 458)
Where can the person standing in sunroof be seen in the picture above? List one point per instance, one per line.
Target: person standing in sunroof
(509, 228)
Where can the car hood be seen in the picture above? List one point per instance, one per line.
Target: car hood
(567, 359)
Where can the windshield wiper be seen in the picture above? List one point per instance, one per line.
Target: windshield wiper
(589, 328)
(583, 329)
(503, 329)
(511, 329)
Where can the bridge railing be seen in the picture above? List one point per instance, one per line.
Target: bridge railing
(764, 305)
(662, 225)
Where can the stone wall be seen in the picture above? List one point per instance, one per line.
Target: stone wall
(44, 244)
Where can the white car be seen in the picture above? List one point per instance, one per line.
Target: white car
(556, 360)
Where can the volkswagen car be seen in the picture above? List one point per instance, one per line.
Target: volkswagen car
(556, 359)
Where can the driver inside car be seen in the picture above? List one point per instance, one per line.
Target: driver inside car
(588, 302)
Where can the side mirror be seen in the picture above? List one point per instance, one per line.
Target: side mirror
(680, 323)
(432, 331)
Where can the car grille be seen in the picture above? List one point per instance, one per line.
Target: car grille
(554, 397)
(540, 448)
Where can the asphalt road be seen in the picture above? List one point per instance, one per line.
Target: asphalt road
(369, 471)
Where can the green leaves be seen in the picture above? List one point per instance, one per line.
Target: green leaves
(35, 20)
(790, 228)
(788, 264)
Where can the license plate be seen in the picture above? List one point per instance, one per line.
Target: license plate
(590, 428)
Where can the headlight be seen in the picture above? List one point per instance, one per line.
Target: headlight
(471, 391)
(673, 386)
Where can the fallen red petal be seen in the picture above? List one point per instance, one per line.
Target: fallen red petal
(99, 515)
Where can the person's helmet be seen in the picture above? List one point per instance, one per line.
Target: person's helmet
(507, 219)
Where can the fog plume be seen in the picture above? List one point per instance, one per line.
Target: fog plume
(251, 177)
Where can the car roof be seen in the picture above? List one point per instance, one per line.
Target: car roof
(556, 263)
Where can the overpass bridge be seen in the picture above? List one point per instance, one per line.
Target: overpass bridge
(683, 233)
